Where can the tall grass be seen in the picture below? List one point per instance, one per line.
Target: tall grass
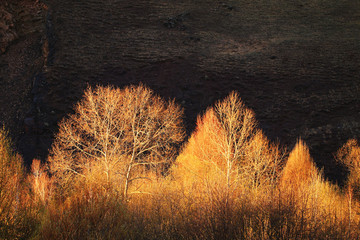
(18, 214)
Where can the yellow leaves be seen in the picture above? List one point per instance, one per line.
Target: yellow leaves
(114, 135)
(349, 155)
(11, 173)
(227, 149)
(16, 209)
(300, 168)
(41, 183)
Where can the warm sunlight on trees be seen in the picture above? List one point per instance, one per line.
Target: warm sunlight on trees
(118, 135)
(227, 146)
(308, 199)
(40, 182)
(11, 173)
(17, 215)
(299, 169)
(228, 182)
(349, 155)
(226, 170)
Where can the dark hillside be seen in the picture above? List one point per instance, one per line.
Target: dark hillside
(22, 54)
(295, 63)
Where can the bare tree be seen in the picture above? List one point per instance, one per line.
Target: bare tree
(118, 134)
(349, 155)
(299, 170)
(226, 162)
(227, 144)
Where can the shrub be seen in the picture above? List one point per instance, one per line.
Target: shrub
(349, 155)
(18, 218)
(41, 184)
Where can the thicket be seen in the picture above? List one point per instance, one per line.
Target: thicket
(117, 170)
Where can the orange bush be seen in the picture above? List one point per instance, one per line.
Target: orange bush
(18, 217)
(349, 155)
(299, 169)
(40, 182)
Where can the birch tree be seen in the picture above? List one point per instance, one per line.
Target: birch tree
(119, 135)
(227, 147)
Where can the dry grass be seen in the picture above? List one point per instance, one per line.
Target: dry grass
(18, 214)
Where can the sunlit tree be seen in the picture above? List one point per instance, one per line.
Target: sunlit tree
(299, 170)
(228, 147)
(307, 199)
(349, 155)
(119, 135)
(225, 170)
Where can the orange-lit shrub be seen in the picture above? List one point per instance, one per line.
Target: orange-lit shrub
(40, 183)
(18, 217)
(92, 213)
(11, 173)
(349, 155)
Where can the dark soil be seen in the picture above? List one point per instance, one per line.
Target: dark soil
(295, 63)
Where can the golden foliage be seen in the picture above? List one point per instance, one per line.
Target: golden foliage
(227, 183)
(40, 183)
(116, 134)
(17, 214)
(226, 170)
(349, 155)
(89, 214)
(11, 174)
(228, 149)
(317, 206)
(299, 169)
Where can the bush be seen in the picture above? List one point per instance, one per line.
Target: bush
(349, 155)
(18, 218)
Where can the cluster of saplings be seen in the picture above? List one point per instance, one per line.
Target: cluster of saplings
(116, 170)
